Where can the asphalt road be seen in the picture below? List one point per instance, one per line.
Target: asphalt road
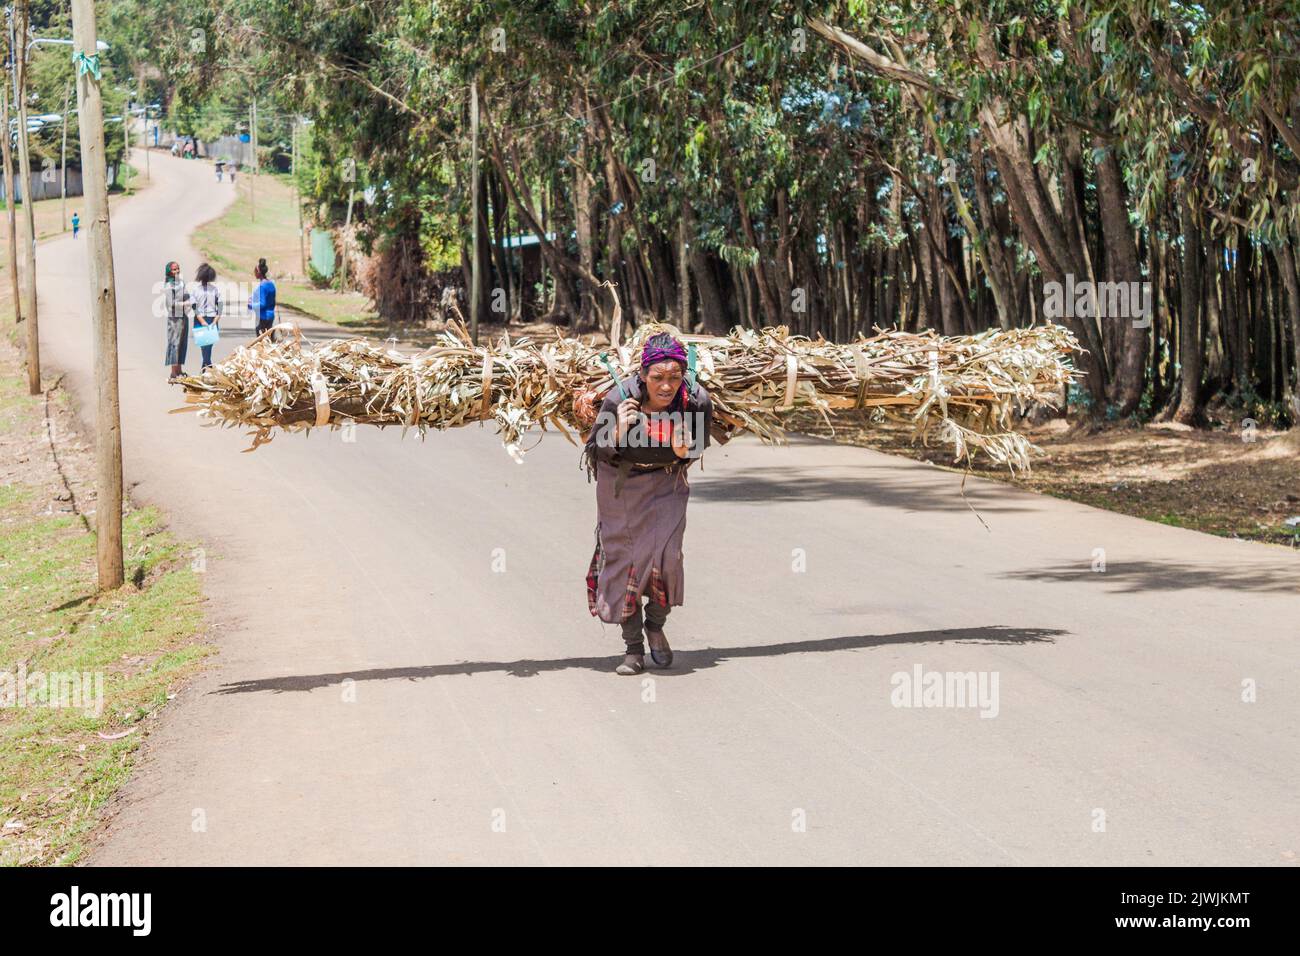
(408, 672)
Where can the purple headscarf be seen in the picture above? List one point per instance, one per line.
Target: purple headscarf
(662, 347)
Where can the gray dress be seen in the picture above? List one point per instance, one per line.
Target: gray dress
(640, 515)
(178, 333)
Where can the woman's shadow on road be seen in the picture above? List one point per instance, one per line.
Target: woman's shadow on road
(685, 661)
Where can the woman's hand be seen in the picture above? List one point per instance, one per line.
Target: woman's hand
(628, 410)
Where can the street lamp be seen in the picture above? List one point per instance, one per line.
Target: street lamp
(63, 156)
(100, 45)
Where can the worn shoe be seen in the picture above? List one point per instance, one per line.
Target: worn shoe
(632, 664)
(660, 652)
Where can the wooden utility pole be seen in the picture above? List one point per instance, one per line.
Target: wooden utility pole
(25, 175)
(103, 301)
(474, 190)
(347, 229)
(297, 194)
(63, 159)
(252, 142)
(126, 146)
(10, 212)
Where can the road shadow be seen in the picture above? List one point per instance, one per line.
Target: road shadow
(781, 484)
(684, 662)
(1130, 577)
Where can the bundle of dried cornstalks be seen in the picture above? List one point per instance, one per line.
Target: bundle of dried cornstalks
(966, 391)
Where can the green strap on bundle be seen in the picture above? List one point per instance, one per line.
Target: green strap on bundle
(614, 375)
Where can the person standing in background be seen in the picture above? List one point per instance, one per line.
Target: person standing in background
(206, 298)
(262, 302)
(176, 299)
(76, 225)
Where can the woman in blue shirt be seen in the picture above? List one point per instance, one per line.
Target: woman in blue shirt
(262, 302)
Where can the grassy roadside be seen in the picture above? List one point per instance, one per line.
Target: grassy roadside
(66, 747)
(266, 226)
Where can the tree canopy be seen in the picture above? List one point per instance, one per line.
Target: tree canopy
(830, 166)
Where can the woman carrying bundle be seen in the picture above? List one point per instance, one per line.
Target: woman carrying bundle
(648, 431)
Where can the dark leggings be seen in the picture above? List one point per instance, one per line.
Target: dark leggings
(655, 615)
(207, 355)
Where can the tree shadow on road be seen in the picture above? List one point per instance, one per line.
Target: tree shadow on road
(1130, 577)
(885, 487)
(685, 661)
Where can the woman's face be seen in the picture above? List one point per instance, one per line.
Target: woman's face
(174, 269)
(662, 380)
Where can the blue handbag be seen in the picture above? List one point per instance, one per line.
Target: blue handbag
(205, 335)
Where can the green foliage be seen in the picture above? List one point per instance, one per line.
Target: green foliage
(955, 147)
(1248, 403)
(51, 85)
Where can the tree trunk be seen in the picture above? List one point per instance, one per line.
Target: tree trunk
(681, 263)
(1287, 266)
(1191, 357)
(781, 268)
(772, 312)
(1122, 266)
(590, 312)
